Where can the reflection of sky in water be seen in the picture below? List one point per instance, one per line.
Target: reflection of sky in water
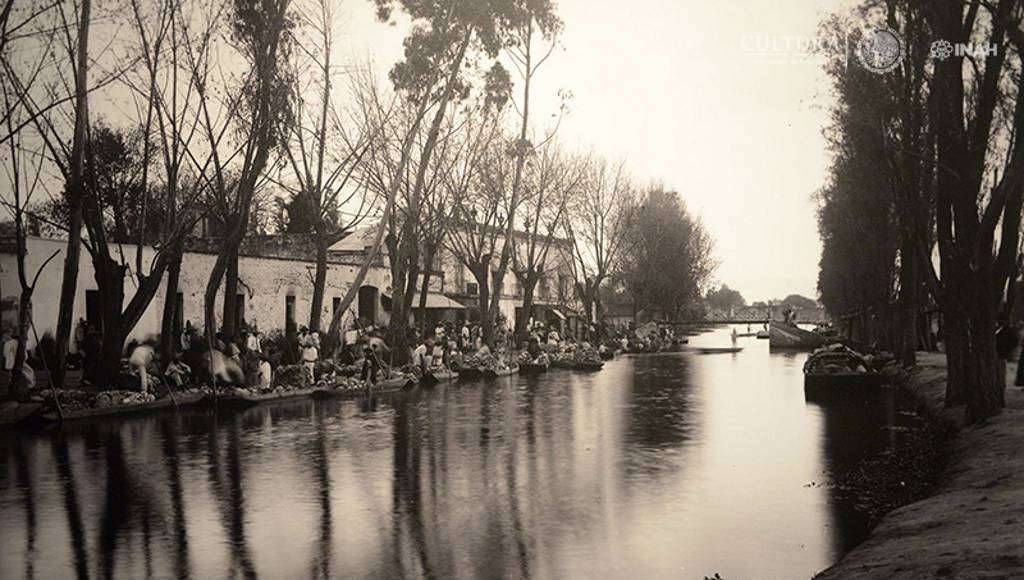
(671, 465)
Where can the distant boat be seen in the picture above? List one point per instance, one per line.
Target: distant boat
(718, 349)
(763, 334)
(784, 335)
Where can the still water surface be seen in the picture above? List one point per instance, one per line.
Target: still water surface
(663, 466)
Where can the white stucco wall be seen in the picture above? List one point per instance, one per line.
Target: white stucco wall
(265, 282)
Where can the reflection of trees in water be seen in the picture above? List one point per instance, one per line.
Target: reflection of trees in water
(321, 567)
(230, 497)
(24, 479)
(660, 414)
(406, 490)
(71, 507)
(169, 436)
(115, 508)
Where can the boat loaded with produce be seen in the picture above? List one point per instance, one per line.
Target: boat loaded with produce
(838, 368)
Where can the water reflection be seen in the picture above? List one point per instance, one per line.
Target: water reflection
(677, 465)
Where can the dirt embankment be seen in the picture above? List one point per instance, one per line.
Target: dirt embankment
(972, 526)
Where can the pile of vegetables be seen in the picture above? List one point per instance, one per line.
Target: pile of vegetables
(524, 358)
(586, 354)
(486, 362)
(77, 400)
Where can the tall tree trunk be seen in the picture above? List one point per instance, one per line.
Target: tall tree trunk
(424, 290)
(110, 285)
(76, 189)
(316, 307)
(229, 322)
(529, 283)
(18, 389)
(168, 323)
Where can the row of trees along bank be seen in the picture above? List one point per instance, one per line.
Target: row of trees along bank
(928, 170)
(232, 113)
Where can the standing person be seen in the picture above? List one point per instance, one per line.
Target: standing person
(80, 336)
(264, 374)
(733, 336)
(185, 341)
(10, 346)
(1007, 340)
(371, 366)
(252, 342)
(464, 336)
(439, 331)
(310, 355)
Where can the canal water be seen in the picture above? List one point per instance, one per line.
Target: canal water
(659, 466)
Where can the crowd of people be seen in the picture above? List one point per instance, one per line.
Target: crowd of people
(251, 358)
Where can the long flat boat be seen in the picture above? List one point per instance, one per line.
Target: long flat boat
(502, 372)
(718, 349)
(533, 368)
(824, 385)
(783, 335)
(589, 366)
(118, 410)
(239, 399)
(385, 386)
(470, 373)
(438, 376)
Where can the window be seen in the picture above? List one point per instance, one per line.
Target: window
(472, 288)
(335, 305)
(92, 307)
(179, 313)
(240, 310)
(289, 314)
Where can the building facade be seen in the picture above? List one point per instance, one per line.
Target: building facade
(275, 285)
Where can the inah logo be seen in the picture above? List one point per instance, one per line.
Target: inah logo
(941, 49)
(880, 50)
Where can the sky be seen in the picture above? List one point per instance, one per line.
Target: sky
(713, 99)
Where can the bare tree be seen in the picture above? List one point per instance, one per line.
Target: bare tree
(553, 180)
(480, 196)
(597, 228)
(23, 177)
(242, 134)
(322, 157)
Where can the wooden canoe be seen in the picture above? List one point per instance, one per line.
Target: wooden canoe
(531, 368)
(236, 399)
(466, 373)
(718, 349)
(823, 386)
(502, 372)
(588, 366)
(119, 410)
(790, 336)
(438, 376)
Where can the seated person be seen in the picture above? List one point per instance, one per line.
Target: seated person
(178, 373)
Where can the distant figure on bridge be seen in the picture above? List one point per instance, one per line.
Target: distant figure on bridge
(733, 336)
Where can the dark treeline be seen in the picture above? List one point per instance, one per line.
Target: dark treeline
(921, 213)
